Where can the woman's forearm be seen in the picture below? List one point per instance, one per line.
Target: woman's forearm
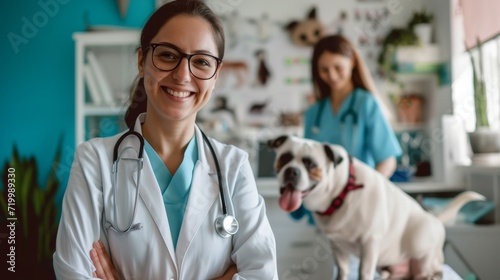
(232, 270)
(387, 167)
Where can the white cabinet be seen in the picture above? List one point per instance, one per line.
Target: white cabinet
(105, 69)
(480, 244)
(484, 179)
(479, 247)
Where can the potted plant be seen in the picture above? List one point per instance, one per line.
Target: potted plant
(396, 37)
(421, 24)
(31, 213)
(483, 139)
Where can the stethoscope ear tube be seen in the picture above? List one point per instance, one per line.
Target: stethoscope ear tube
(125, 135)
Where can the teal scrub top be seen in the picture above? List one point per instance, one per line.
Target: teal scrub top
(372, 140)
(174, 189)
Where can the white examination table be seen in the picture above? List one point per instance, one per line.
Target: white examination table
(448, 272)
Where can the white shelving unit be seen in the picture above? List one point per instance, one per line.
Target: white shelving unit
(115, 57)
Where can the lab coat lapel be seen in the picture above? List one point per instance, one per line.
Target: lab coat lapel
(150, 194)
(152, 198)
(203, 194)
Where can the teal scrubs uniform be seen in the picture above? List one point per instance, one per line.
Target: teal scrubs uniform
(174, 189)
(371, 140)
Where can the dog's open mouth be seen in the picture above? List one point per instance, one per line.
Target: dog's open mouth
(291, 198)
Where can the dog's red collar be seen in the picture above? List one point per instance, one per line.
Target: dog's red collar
(339, 200)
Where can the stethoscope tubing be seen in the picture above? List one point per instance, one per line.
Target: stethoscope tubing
(225, 226)
(219, 176)
(343, 119)
(130, 226)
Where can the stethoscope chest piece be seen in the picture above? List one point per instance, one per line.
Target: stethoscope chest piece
(226, 226)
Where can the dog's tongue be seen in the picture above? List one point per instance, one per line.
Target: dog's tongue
(290, 199)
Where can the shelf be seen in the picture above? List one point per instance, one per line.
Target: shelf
(269, 187)
(401, 127)
(102, 80)
(91, 110)
(419, 68)
(427, 185)
(483, 164)
(108, 38)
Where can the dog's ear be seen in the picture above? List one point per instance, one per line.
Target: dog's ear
(275, 143)
(291, 25)
(312, 13)
(334, 157)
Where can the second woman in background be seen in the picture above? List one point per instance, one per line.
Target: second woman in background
(347, 112)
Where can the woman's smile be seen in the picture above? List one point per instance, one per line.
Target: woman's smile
(177, 93)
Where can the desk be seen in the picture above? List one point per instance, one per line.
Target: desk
(448, 272)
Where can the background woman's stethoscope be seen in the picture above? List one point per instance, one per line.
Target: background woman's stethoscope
(225, 225)
(349, 112)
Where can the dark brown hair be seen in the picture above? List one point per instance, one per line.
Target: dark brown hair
(155, 22)
(337, 44)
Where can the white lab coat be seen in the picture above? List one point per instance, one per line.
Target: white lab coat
(149, 253)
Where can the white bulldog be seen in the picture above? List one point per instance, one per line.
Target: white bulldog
(361, 211)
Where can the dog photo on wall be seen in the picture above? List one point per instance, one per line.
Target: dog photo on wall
(361, 212)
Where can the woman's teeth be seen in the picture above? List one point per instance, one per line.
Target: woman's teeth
(180, 94)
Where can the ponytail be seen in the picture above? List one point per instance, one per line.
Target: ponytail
(138, 103)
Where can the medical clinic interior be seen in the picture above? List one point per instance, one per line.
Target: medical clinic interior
(69, 66)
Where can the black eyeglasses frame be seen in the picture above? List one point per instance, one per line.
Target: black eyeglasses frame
(188, 56)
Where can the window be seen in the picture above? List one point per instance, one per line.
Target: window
(463, 92)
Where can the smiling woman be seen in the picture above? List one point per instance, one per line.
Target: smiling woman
(167, 199)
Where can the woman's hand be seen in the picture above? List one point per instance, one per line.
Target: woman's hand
(103, 264)
(387, 167)
(228, 275)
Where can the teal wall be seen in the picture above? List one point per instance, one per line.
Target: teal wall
(38, 73)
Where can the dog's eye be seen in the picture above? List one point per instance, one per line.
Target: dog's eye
(303, 37)
(285, 158)
(308, 163)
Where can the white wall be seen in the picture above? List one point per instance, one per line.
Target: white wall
(284, 97)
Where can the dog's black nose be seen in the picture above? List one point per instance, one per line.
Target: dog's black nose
(292, 173)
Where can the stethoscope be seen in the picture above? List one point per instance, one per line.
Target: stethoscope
(225, 225)
(350, 112)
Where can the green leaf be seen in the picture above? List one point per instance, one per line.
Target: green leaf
(35, 206)
(480, 104)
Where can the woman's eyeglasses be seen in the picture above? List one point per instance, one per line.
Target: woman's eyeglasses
(167, 57)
